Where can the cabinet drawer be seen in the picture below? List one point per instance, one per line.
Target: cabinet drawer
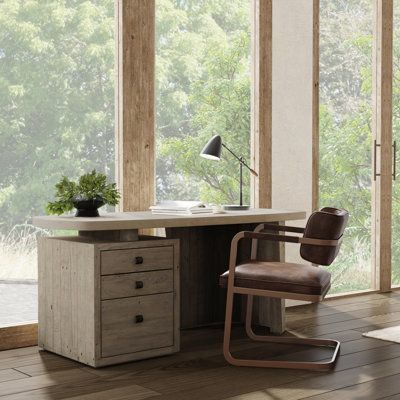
(136, 324)
(136, 284)
(136, 260)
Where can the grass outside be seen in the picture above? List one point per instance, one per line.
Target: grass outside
(18, 255)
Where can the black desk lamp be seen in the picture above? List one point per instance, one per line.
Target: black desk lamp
(212, 151)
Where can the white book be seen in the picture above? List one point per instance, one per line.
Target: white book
(181, 207)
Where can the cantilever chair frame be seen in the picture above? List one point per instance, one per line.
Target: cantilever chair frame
(232, 289)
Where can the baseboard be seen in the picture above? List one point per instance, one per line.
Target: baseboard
(12, 337)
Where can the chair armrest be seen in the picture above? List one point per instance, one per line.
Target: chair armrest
(290, 239)
(254, 235)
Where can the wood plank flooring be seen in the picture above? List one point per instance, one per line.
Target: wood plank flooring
(367, 368)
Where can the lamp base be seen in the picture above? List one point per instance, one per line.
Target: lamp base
(235, 207)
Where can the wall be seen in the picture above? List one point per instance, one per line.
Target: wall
(292, 89)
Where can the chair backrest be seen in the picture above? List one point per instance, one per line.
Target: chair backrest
(329, 224)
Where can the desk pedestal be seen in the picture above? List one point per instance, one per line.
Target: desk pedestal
(204, 257)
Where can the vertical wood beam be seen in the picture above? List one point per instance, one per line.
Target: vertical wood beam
(382, 129)
(272, 311)
(315, 107)
(261, 103)
(135, 103)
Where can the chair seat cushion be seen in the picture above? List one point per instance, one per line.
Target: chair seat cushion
(280, 277)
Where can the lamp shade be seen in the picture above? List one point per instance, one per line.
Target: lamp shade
(212, 150)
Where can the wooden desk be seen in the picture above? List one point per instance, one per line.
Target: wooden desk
(145, 219)
(204, 242)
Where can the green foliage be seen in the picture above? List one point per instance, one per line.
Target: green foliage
(90, 186)
(66, 190)
(203, 88)
(345, 133)
(56, 99)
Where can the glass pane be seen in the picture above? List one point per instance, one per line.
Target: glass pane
(202, 89)
(56, 118)
(396, 137)
(345, 132)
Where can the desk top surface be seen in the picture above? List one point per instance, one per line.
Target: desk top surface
(145, 219)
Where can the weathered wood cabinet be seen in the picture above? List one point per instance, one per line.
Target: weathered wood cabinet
(103, 303)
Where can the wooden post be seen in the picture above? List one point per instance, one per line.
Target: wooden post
(272, 311)
(135, 142)
(382, 129)
(261, 103)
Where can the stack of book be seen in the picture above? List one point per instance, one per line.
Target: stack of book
(181, 208)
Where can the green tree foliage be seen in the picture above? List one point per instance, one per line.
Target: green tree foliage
(203, 88)
(56, 98)
(345, 131)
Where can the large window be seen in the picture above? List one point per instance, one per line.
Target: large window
(202, 89)
(56, 114)
(345, 132)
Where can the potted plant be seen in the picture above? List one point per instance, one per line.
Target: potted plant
(90, 193)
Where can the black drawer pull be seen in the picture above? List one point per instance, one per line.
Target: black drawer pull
(138, 260)
(139, 284)
(139, 319)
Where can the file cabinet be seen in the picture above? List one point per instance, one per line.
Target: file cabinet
(103, 303)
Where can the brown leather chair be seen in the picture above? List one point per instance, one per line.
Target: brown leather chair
(320, 245)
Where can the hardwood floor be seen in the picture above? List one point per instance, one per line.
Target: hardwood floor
(367, 368)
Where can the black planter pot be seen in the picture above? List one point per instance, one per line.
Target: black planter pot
(88, 208)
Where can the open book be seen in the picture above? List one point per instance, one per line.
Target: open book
(181, 207)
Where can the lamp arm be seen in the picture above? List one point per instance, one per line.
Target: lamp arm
(240, 160)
